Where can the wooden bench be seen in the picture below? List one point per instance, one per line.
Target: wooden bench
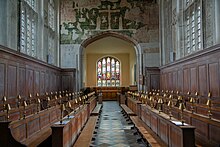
(97, 110)
(84, 139)
(127, 110)
(151, 138)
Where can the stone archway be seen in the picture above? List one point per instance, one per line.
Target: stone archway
(96, 37)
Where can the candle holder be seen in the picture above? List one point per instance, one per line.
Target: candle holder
(192, 101)
(70, 96)
(8, 108)
(170, 105)
(160, 102)
(38, 105)
(25, 105)
(62, 109)
(18, 100)
(151, 101)
(69, 106)
(51, 95)
(209, 104)
(4, 99)
(181, 108)
(30, 97)
(188, 95)
(75, 105)
(48, 102)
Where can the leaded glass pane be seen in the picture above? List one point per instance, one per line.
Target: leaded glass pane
(108, 72)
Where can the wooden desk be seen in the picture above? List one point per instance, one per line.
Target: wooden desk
(170, 131)
(134, 105)
(30, 131)
(64, 135)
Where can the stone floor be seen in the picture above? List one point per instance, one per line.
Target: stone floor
(114, 130)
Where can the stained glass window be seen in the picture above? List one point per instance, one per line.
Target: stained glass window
(108, 72)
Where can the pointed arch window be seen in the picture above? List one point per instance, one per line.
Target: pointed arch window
(108, 72)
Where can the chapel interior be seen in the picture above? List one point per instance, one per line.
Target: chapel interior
(110, 73)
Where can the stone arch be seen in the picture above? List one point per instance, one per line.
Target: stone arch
(98, 36)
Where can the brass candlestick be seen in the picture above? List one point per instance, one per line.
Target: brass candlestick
(18, 100)
(38, 105)
(70, 96)
(169, 108)
(192, 101)
(188, 94)
(75, 105)
(181, 107)
(25, 105)
(62, 108)
(30, 97)
(48, 102)
(4, 99)
(8, 108)
(209, 104)
(160, 102)
(151, 101)
(69, 106)
(80, 102)
(51, 95)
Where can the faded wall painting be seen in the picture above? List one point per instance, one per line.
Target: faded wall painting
(81, 19)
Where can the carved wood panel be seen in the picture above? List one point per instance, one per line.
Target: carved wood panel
(214, 78)
(197, 73)
(193, 80)
(37, 82)
(12, 81)
(22, 84)
(202, 83)
(186, 81)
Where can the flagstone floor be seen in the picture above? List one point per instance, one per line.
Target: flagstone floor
(114, 130)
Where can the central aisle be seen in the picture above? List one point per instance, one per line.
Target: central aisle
(113, 129)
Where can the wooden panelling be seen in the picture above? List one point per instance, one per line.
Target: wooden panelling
(214, 132)
(174, 87)
(152, 78)
(12, 81)
(2, 80)
(37, 82)
(20, 74)
(201, 127)
(186, 80)
(214, 78)
(170, 82)
(42, 83)
(199, 72)
(22, 84)
(193, 80)
(180, 80)
(202, 80)
(29, 81)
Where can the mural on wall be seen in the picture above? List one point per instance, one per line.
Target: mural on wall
(81, 19)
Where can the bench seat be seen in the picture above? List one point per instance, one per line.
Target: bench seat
(151, 138)
(127, 110)
(85, 137)
(97, 110)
